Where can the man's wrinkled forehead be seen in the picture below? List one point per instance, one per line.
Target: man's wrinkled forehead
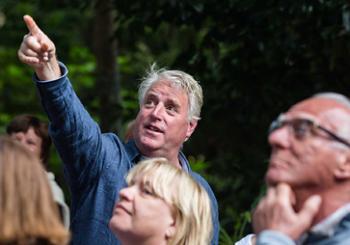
(167, 83)
(165, 87)
(318, 106)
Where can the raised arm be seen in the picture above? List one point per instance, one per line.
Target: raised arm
(77, 138)
(39, 52)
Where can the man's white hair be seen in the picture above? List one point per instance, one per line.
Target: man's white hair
(343, 132)
(334, 96)
(178, 79)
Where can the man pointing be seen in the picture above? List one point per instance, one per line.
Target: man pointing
(96, 163)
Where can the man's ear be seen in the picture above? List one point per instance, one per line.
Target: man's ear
(342, 171)
(190, 128)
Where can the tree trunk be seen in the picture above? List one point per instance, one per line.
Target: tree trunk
(107, 82)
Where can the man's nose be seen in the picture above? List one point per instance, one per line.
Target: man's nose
(280, 137)
(158, 110)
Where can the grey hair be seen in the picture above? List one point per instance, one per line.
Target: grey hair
(178, 79)
(342, 99)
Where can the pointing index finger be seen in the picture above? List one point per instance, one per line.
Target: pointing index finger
(31, 25)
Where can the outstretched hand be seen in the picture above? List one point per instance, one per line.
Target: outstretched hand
(39, 52)
(275, 212)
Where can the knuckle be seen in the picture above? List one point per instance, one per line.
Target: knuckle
(28, 51)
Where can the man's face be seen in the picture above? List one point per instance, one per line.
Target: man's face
(30, 140)
(162, 123)
(303, 157)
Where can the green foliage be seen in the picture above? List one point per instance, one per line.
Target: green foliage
(240, 225)
(198, 164)
(224, 238)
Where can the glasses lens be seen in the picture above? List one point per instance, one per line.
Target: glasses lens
(301, 127)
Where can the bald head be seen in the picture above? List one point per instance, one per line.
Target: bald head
(323, 102)
(332, 110)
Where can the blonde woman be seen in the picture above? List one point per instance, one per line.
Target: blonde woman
(28, 214)
(161, 205)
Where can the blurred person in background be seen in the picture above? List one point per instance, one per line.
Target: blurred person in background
(129, 132)
(28, 214)
(308, 177)
(33, 134)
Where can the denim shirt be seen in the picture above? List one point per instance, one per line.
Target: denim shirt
(95, 163)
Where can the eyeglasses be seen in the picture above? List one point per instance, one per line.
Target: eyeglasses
(303, 128)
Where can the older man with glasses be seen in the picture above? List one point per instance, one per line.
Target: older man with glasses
(308, 198)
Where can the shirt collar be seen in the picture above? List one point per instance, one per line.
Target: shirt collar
(133, 153)
(136, 156)
(328, 225)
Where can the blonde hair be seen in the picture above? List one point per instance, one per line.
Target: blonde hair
(189, 200)
(28, 213)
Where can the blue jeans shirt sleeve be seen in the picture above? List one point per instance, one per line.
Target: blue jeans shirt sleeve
(77, 137)
(269, 237)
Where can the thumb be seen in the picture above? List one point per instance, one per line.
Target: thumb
(44, 47)
(309, 210)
